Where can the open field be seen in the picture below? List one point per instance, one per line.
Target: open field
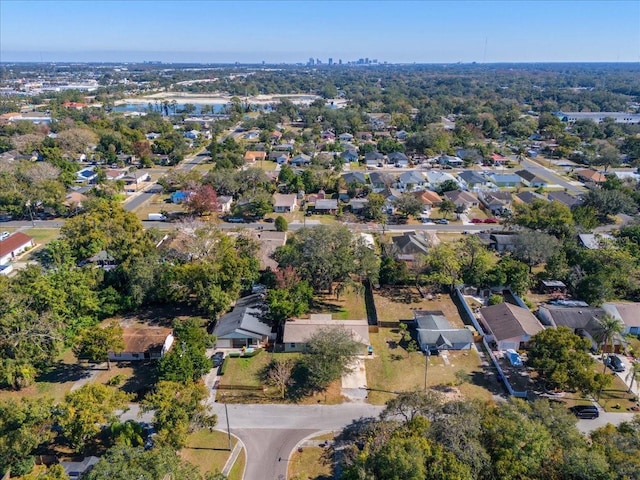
(208, 450)
(42, 236)
(156, 204)
(395, 304)
(394, 369)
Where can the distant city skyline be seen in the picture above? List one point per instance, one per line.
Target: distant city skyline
(294, 32)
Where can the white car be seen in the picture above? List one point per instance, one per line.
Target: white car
(4, 235)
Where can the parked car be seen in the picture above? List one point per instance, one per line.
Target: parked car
(491, 220)
(614, 363)
(4, 235)
(269, 220)
(476, 220)
(217, 359)
(442, 221)
(585, 411)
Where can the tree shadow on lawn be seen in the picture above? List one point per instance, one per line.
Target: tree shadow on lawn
(62, 372)
(406, 295)
(142, 381)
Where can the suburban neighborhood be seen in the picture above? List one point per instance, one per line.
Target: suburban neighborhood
(306, 272)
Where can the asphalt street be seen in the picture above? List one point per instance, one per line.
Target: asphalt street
(552, 177)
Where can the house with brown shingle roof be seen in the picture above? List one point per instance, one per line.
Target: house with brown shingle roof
(510, 326)
(428, 198)
(590, 176)
(14, 246)
(254, 156)
(143, 342)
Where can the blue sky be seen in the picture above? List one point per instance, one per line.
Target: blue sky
(292, 31)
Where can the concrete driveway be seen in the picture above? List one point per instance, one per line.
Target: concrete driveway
(354, 383)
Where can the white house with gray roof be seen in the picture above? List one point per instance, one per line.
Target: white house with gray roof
(243, 326)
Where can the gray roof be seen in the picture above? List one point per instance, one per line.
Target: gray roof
(326, 204)
(445, 339)
(505, 178)
(354, 177)
(529, 176)
(573, 317)
(373, 156)
(460, 197)
(528, 196)
(563, 197)
(472, 177)
(397, 156)
(432, 322)
(411, 178)
(244, 319)
(381, 178)
(410, 243)
(75, 470)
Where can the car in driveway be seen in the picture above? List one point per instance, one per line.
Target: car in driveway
(614, 363)
(589, 412)
(4, 235)
(217, 359)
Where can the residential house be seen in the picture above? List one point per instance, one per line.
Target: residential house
(268, 242)
(429, 199)
(498, 203)
(497, 159)
(143, 342)
(595, 241)
(564, 198)
(398, 159)
(505, 180)
(327, 135)
(530, 179)
(179, 196)
(345, 137)
(390, 195)
(281, 158)
(86, 175)
(364, 136)
(380, 181)
(582, 320)
(252, 156)
(373, 159)
(326, 206)
(301, 160)
(243, 326)
(412, 180)
(528, 196)
(113, 174)
(192, 134)
(102, 260)
(435, 178)
(284, 203)
(627, 312)
(298, 331)
(354, 177)
(552, 287)
(224, 203)
(435, 333)
(275, 136)
(349, 156)
(402, 135)
(13, 246)
(136, 178)
(252, 135)
(509, 326)
(74, 201)
(464, 201)
(284, 146)
(410, 245)
(78, 469)
(590, 177)
(358, 205)
(470, 180)
(471, 155)
(502, 243)
(455, 162)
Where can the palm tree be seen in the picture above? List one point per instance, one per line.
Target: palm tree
(633, 375)
(610, 328)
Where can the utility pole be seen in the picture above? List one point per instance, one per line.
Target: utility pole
(427, 354)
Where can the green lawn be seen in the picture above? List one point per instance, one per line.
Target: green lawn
(310, 464)
(350, 306)
(208, 450)
(42, 236)
(393, 369)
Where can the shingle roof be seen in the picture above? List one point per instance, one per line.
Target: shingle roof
(509, 321)
(299, 330)
(244, 319)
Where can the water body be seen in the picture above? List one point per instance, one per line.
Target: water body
(159, 107)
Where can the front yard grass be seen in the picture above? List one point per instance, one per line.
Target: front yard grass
(246, 372)
(237, 471)
(310, 464)
(393, 369)
(208, 450)
(156, 204)
(42, 236)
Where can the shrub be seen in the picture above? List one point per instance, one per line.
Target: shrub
(235, 355)
(115, 381)
(495, 299)
(252, 353)
(223, 367)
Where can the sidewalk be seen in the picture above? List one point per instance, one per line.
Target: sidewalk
(232, 458)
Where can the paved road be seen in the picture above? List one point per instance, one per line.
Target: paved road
(552, 177)
(586, 426)
(271, 432)
(138, 200)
